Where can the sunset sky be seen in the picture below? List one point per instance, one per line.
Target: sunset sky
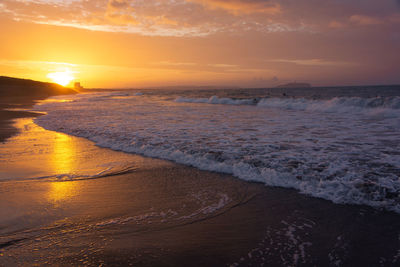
(249, 43)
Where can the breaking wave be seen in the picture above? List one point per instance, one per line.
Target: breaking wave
(337, 104)
(217, 100)
(332, 149)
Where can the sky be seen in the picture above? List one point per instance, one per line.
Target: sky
(241, 43)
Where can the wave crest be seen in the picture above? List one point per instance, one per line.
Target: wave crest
(337, 104)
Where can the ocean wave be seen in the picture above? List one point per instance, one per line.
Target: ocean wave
(340, 187)
(345, 157)
(337, 104)
(217, 100)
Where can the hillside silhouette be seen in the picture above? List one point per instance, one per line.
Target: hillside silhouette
(16, 87)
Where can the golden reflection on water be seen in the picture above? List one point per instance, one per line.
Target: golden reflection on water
(63, 162)
(64, 150)
(52, 100)
(60, 191)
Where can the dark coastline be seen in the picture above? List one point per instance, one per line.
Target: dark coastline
(7, 116)
(22, 94)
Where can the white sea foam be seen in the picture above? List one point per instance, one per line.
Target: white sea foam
(309, 145)
(217, 100)
(376, 105)
(290, 244)
(337, 104)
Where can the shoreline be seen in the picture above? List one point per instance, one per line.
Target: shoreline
(7, 116)
(163, 213)
(18, 93)
(93, 206)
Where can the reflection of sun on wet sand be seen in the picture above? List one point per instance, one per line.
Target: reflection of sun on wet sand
(38, 153)
(64, 154)
(62, 191)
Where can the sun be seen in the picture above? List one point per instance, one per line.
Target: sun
(63, 78)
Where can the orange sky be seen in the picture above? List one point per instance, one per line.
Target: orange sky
(254, 43)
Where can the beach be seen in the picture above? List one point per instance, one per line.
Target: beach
(17, 96)
(6, 116)
(199, 133)
(75, 203)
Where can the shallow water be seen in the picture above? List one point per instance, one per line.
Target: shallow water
(339, 144)
(38, 154)
(61, 195)
(66, 207)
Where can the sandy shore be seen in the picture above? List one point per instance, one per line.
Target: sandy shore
(18, 94)
(88, 206)
(7, 114)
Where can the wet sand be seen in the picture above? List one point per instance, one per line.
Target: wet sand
(89, 206)
(7, 114)
(18, 94)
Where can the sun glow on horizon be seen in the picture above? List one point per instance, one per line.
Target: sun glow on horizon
(63, 77)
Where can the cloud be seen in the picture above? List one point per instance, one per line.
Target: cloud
(395, 18)
(336, 24)
(118, 3)
(312, 62)
(119, 12)
(365, 20)
(175, 64)
(50, 2)
(238, 7)
(221, 65)
(197, 18)
(152, 17)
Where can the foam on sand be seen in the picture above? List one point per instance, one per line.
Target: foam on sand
(341, 149)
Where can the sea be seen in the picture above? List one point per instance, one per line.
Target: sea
(341, 144)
